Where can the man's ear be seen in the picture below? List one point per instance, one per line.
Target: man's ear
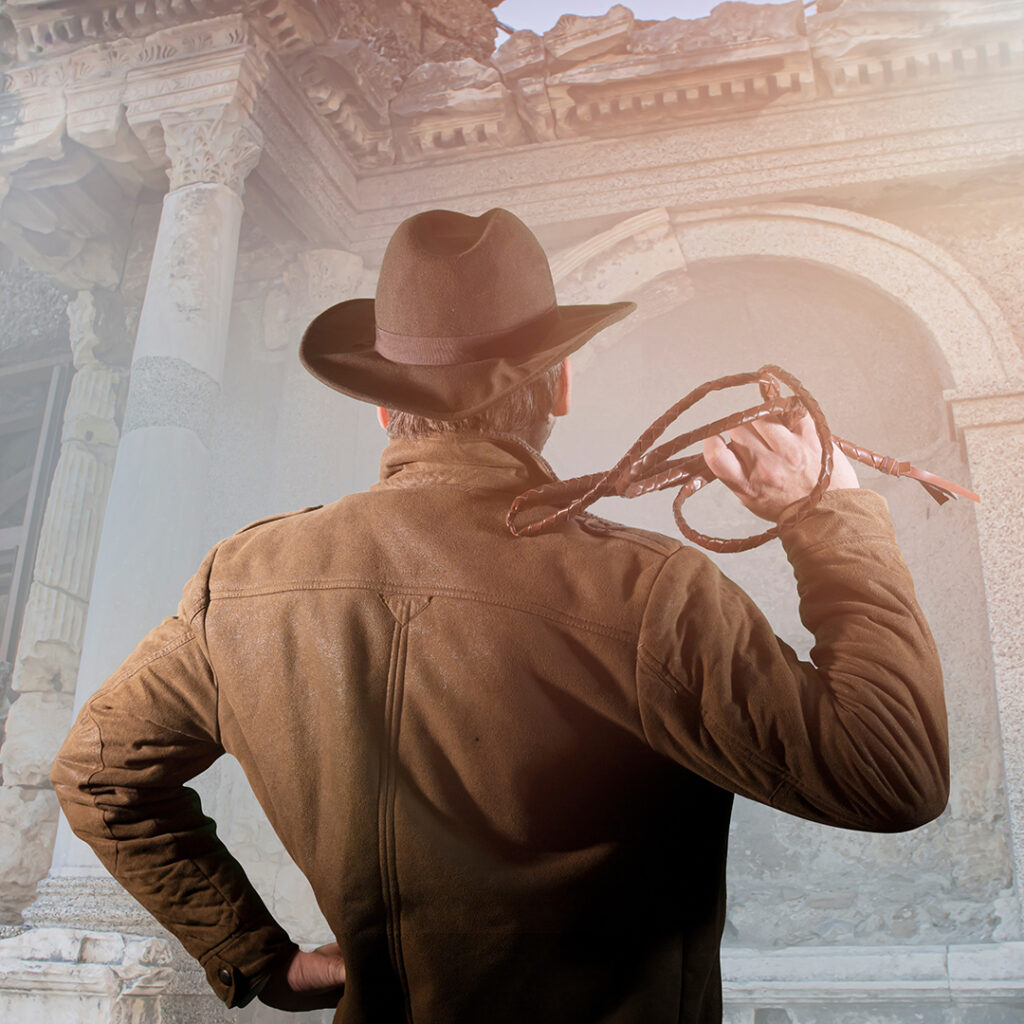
(383, 417)
(564, 393)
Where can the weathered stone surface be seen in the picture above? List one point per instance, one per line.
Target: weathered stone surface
(460, 85)
(870, 24)
(52, 629)
(457, 106)
(729, 24)
(31, 312)
(28, 822)
(317, 279)
(66, 976)
(521, 54)
(469, 27)
(534, 106)
(576, 38)
(865, 45)
(36, 726)
(351, 85)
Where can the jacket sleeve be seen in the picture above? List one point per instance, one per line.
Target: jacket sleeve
(120, 778)
(855, 738)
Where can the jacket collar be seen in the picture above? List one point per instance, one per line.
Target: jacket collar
(470, 462)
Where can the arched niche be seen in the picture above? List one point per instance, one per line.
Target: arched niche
(878, 324)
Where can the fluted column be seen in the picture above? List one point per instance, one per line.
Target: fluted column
(53, 626)
(151, 540)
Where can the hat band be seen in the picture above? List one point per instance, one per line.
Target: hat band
(416, 350)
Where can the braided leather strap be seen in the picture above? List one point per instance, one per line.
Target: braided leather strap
(643, 469)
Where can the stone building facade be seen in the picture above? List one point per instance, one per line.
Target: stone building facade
(837, 189)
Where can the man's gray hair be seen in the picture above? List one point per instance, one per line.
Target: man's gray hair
(523, 412)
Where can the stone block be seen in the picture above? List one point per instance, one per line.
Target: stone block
(534, 106)
(36, 727)
(520, 55)
(461, 85)
(458, 106)
(576, 38)
(28, 823)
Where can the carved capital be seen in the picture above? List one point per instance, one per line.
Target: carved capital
(220, 146)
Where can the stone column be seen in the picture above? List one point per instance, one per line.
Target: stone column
(52, 630)
(151, 541)
(992, 420)
(151, 537)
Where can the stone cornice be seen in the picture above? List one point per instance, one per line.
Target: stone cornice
(598, 77)
(834, 147)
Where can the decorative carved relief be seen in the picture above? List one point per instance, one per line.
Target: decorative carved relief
(211, 146)
(318, 279)
(41, 30)
(351, 86)
(461, 106)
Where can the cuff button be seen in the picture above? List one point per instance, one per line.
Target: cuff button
(225, 976)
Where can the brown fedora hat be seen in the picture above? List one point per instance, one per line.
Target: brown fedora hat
(465, 312)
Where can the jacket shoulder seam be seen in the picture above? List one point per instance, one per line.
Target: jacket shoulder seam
(600, 526)
(275, 516)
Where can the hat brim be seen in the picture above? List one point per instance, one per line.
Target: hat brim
(338, 349)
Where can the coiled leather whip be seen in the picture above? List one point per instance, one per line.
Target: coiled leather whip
(643, 469)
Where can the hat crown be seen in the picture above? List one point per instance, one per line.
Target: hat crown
(449, 275)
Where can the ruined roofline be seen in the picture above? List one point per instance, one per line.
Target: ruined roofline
(587, 77)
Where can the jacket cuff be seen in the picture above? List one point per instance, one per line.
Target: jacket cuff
(238, 968)
(843, 515)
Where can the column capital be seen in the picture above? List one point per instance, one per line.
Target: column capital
(212, 145)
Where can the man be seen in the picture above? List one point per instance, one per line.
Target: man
(506, 765)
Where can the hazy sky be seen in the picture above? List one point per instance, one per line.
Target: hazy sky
(540, 15)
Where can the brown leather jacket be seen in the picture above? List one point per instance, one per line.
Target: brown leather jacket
(506, 766)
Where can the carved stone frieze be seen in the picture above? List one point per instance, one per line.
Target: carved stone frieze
(871, 45)
(52, 28)
(113, 58)
(351, 86)
(642, 93)
(111, 77)
(457, 107)
(211, 146)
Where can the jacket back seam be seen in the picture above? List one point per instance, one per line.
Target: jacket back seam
(424, 590)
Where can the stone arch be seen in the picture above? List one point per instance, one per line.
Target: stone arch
(968, 327)
(975, 350)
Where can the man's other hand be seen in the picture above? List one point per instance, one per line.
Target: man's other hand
(770, 467)
(308, 981)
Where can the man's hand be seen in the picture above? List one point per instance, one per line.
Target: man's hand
(308, 981)
(770, 467)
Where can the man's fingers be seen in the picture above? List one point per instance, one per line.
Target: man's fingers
(722, 461)
(311, 972)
